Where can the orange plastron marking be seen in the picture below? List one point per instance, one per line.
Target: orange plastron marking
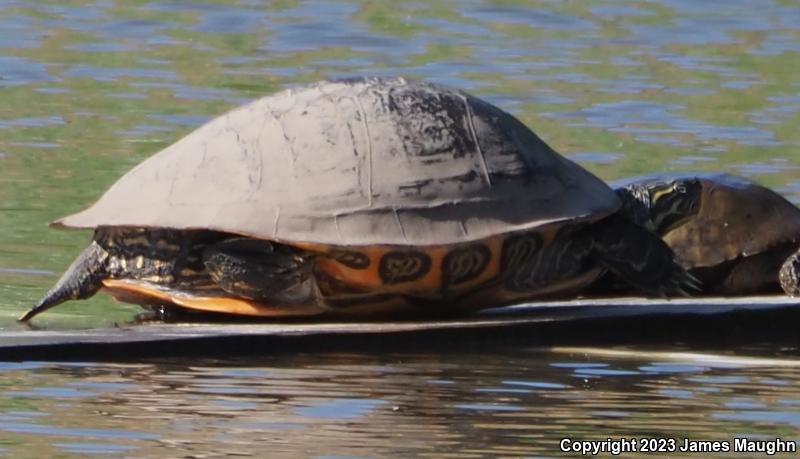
(145, 293)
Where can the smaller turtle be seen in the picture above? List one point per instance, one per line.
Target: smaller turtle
(736, 236)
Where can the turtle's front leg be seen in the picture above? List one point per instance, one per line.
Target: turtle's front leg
(262, 270)
(640, 258)
(790, 275)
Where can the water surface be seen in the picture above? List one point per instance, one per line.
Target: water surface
(436, 404)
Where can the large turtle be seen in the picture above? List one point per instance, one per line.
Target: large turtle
(736, 236)
(365, 196)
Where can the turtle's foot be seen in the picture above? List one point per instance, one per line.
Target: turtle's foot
(790, 275)
(640, 258)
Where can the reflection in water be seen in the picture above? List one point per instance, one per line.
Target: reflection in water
(507, 401)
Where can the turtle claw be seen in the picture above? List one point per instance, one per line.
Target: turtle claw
(684, 284)
(691, 283)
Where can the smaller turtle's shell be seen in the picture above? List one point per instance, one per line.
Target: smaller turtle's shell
(360, 162)
(736, 218)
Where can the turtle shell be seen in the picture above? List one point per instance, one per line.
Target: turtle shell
(736, 218)
(356, 162)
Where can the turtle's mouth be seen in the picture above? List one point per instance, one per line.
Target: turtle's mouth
(148, 293)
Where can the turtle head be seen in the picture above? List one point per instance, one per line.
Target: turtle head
(671, 203)
(661, 205)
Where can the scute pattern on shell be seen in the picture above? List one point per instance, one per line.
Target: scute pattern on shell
(356, 162)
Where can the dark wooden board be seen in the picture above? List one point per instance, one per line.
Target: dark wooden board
(163, 339)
